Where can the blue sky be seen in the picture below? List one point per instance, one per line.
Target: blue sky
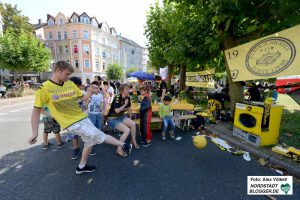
(127, 16)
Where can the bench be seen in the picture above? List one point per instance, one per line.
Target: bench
(184, 121)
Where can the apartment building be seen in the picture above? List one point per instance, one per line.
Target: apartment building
(90, 46)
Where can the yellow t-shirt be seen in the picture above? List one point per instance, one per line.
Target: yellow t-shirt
(62, 102)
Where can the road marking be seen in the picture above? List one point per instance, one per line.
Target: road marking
(3, 114)
(18, 119)
(26, 108)
(14, 111)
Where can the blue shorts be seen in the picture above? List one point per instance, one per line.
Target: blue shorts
(113, 122)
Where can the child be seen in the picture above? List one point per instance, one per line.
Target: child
(95, 106)
(50, 125)
(146, 115)
(166, 115)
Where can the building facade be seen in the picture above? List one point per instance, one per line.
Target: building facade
(133, 55)
(88, 45)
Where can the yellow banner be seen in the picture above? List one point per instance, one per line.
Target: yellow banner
(201, 79)
(269, 57)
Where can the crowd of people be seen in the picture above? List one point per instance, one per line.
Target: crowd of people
(84, 111)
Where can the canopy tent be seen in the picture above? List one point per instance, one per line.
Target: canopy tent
(141, 75)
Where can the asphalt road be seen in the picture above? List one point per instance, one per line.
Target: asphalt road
(165, 170)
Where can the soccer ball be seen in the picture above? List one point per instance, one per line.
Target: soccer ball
(199, 141)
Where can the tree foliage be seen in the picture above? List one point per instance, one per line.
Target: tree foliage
(131, 69)
(23, 52)
(196, 32)
(114, 72)
(13, 19)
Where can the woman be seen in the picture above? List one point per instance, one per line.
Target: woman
(117, 119)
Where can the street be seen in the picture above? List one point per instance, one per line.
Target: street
(165, 170)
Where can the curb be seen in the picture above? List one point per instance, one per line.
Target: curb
(227, 135)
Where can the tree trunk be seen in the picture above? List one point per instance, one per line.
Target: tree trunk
(22, 82)
(182, 77)
(169, 77)
(235, 88)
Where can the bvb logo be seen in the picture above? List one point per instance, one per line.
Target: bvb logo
(270, 56)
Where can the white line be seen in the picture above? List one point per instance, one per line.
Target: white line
(3, 114)
(14, 111)
(26, 108)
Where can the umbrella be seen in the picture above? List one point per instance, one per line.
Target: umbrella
(141, 75)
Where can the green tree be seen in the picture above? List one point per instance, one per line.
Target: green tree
(131, 69)
(175, 39)
(200, 30)
(23, 52)
(12, 18)
(114, 72)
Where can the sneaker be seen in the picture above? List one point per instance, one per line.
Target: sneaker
(86, 169)
(93, 152)
(47, 146)
(75, 154)
(61, 145)
(163, 136)
(127, 148)
(146, 144)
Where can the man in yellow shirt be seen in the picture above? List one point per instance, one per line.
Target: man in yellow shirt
(61, 97)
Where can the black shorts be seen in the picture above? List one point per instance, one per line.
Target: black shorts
(50, 125)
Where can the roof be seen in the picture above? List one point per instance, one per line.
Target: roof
(74, 13)
(50, 16)
(86, 14)
(95, 19)
(129, 41)
(37, 26)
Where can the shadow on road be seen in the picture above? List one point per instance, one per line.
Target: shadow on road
(165, 170)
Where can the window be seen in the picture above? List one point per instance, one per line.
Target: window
(74, 34)
(86, 49)
(85, 20)
(59, 35)
(50, 22)
(97, 51)
(50, 35)
(103, 54)
(60, 49)
(104, 65)
(85, 34)
(87, 63)
(65, 35)
(52, 49)
(61, 21)
(75, 48)
(67, 49)
(132, 51)
(115, 57)
(97, 65)
(75, 20)
(76, 63)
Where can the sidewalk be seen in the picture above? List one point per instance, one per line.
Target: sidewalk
(9, 101)
(224, 131)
